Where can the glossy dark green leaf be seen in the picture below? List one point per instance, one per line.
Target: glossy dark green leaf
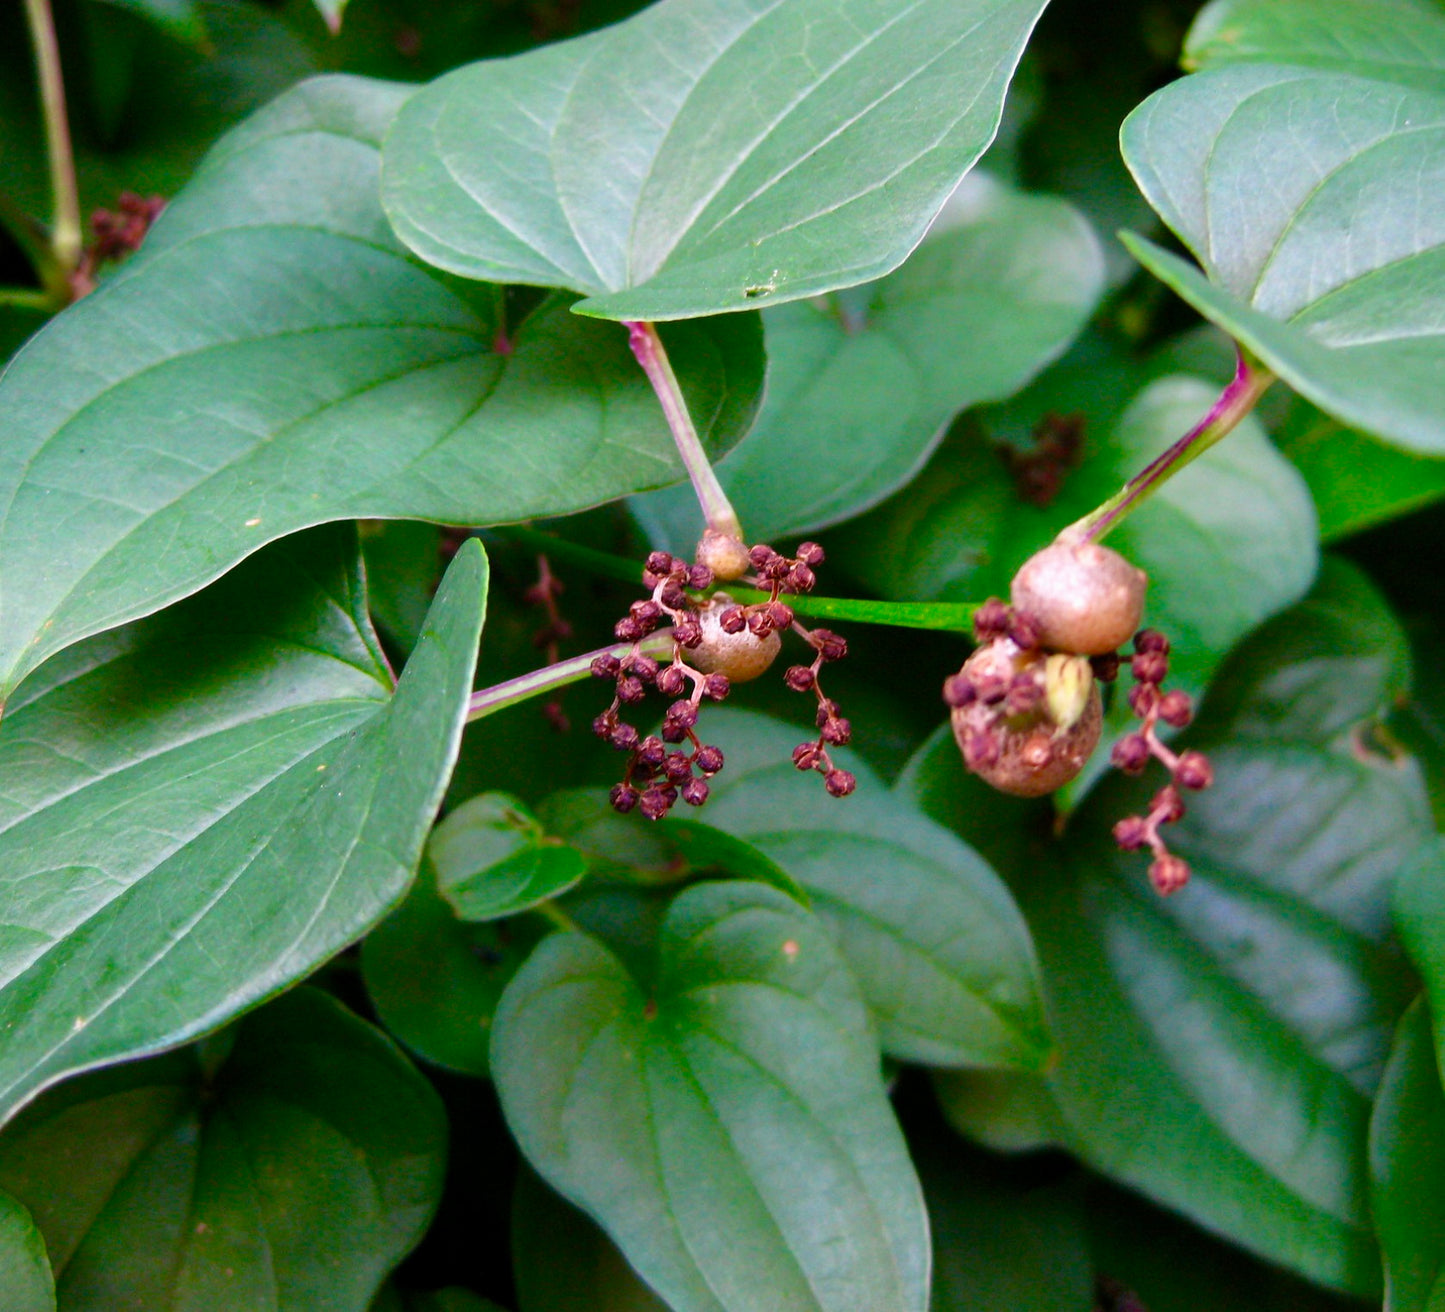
(862, 387)
(285, 1166)
(626, 164)
(1355, 480)
(1226, 543)
(435, 980)
(1333, 274)
(595, 1275)
(705, 847)
(1219, 1048)
(1407, 1166)
(206, 805)
(181, 19)
(403, 567)
(26, 1283)
(938, 946)
(265, 366)
(1417, 912)
(493, 859)
(731, 1104)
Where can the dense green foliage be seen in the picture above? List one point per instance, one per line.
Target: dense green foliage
(329, 979)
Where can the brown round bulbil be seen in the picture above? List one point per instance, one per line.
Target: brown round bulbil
(1027, 752)
(741, 656)
(1083, 598)
(724, 554)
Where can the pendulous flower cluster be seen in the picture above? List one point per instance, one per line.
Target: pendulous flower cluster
(716, 642)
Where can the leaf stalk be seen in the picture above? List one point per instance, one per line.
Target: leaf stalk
(652, 356)
(66, 238)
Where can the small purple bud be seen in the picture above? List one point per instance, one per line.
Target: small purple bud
(1176, 708)
(606, 666)
(836, 731)
(958, 690)
(630, 690)
(709, 759)
(716, 687)
(807, 755)
(651, 751)
(800, 678)
(1131, 833)
(623, 797)
(1131, 753)
(671, 681)
(1194, 771)
(733, 620)
(699, 578)
(694, 792)
(839, 783)
(810, 553)
(654, 803)
(624, 738)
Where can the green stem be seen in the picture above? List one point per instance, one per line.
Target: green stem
(1250, 382)
(27, 298)
(549, 910)
(487, 701)
(717, 510)
(940, 616)
(65, 229)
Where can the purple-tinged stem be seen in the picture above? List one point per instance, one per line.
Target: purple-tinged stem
(1250, 382)
(486, 701)
(65, 230)
(716, 508)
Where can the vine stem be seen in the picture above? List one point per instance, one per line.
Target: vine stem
(487, 701)
(65, 231)
(1250, 382)
(716, 508)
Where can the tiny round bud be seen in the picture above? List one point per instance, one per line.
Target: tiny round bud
(992, 686)
(624, 738)
(958, 690)
(699, 578)
(810, 553)
(646, 612)
(723, 554)
(807, 755)
(1194, 771)
(1151, 640)
(836, 731)
(1143, 698)
(1168, 873)
(716, 687)
(694, 792)
(733, 620)
(709, 759)
(1167, 805)
(1082, 597)
(800, 678)
(1131, 753)
(644, 667)
(762, 556)
(673, 596)
(1023, 631)
(776, 570)
(628, 630)
(991, 620)
(800, 579)
(1024, 694)
(682, 712)
(1150, 667)
(831, 646)
(780, 614)
(1176, 708)
(623, 797)
(672, 681)
(1131, 833)
(630, 690)
(1105, 667)
(760, 623)
(604, 724)
(839, 783)
(651, 751)
(655, 803)
(606, 666)
(677, 768)
(673, 732)
(687, 632)
(660, 562)
(827, 709)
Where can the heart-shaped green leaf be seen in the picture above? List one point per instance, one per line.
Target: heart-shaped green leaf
(730, 1105)
(435, 980)
(273, 359)
(286, 1166)
(26, 1283)
(206, 805)
(940, 950)
(861, 388)
(1407, 1165)
(494, 859)
(706, 155)
(1219, 1048)
(1332, 273)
